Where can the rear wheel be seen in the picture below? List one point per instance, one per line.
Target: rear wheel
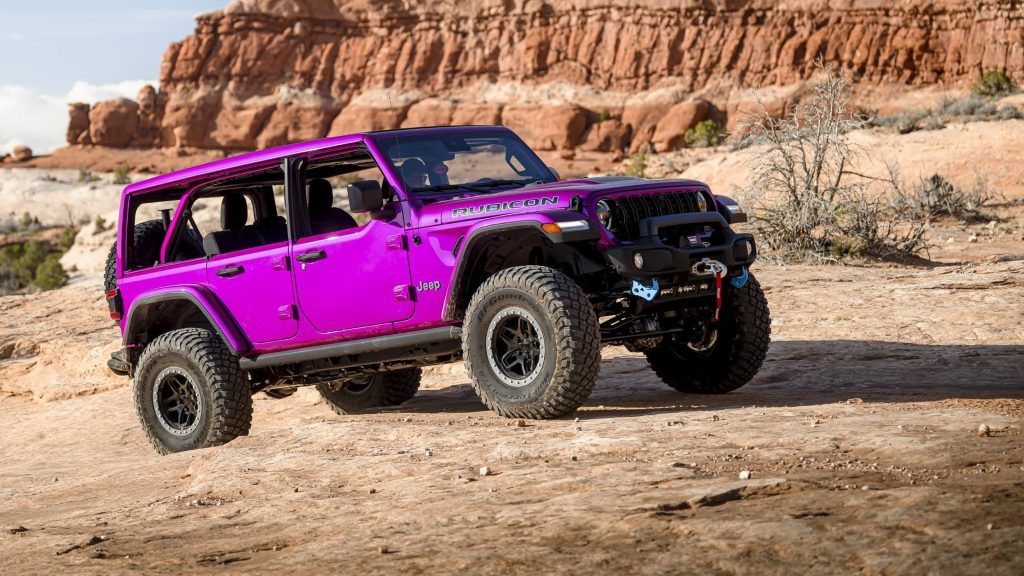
(371, 390)
(190, 392)
(726, 356)
(532, 343)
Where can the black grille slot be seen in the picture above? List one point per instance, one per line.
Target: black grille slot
(628, 211)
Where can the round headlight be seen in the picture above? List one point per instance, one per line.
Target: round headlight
(604, 213)
(638, 260)
(702, 202)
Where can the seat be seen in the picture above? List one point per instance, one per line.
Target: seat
(273, 227)
(323, 216)
(234, 212)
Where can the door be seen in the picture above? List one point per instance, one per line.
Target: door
(359, 277)
(351, 270)
(255, 286)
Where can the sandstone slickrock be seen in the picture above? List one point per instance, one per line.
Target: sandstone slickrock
(21, 154)
(263, 72)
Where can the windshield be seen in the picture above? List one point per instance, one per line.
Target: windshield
(476, 161)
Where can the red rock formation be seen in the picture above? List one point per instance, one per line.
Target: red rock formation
(263, 72)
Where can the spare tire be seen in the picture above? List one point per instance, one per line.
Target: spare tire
(147, 238)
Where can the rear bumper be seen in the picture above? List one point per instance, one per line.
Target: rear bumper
(732, 249)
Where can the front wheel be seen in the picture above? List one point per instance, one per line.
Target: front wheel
(190, 392)
(729, 356)
(532, 344)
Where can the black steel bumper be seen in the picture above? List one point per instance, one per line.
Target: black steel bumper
(659, 259)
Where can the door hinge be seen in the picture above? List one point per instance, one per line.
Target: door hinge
(403, 293)
(288, 312)
(396, 242)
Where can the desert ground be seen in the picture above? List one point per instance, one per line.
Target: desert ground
(882, 436)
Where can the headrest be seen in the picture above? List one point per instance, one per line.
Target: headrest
(233, 212)
(321, 195)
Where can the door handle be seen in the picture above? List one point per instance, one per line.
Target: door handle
(230, 271)
(311, 256)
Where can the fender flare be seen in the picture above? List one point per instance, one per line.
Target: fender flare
(532, 223)
(215, 313)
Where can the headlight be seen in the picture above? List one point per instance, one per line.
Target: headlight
(702, 202)
(638, 260)
(604, 213)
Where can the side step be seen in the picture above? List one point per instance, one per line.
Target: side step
(117, 363)
(434, 341)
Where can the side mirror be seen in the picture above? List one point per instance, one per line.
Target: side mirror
(365, 196)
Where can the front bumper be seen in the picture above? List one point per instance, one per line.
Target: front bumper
(659, 259)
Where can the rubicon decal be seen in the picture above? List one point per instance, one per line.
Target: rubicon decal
(504, 206)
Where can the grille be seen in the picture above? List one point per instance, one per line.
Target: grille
(628, 211)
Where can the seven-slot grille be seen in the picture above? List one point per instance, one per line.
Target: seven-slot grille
(628, 211)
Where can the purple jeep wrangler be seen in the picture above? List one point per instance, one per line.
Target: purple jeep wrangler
(254, 274)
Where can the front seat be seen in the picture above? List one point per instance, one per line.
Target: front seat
(323, 216)
(234, 212)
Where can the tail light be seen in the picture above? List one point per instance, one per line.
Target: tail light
(114, 304)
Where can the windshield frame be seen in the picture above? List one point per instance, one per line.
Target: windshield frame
(385, 139)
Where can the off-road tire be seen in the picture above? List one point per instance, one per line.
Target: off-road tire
(147, 239)
(571, 343)
(224, 393)
(382, 389)
(744, 334)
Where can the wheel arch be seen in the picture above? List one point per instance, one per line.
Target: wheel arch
(157, 313)
(491, 247)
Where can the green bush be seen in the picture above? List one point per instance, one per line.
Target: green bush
(705, 134)
(86, 177)
(992, 84)
(50, 274)
(30, 264)
(67, 238)
(122, 175)
(637, 165)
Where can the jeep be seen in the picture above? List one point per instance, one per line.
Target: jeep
(348, 263)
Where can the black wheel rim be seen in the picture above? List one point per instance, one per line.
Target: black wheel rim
(515, 346)
(177, 401)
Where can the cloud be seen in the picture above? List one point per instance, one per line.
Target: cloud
(39, 120)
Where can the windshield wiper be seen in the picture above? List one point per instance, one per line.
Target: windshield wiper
(495, 183)
(440, 188)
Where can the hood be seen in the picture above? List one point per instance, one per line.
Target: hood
(549, 196)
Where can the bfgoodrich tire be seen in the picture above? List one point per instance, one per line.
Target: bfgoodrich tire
(190, 393)
(368, 391)
(532, 345)
(736, 355)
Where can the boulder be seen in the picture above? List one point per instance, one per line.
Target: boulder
(642, 117)
(114, 122)
(670, 130)
(479, 114)
(21, 154)
(546, 126)
(78, 123)
(429, 112)
(608, 136)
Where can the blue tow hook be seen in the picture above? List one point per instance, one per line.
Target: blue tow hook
(741, 280)
(646, 292)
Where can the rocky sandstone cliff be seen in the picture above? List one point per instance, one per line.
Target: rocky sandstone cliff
(602, 75)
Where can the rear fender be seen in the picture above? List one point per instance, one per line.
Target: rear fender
(185, 299)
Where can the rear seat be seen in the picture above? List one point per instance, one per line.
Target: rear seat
(234, 212)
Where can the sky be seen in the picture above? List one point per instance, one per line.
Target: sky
(57, 51)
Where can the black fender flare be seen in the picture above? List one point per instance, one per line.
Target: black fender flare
(212, 309)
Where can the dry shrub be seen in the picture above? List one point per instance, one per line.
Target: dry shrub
(935, 197)
(810, 203)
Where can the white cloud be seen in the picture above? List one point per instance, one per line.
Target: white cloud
(40, 120)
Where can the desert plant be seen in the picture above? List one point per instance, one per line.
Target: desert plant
(122, 175)
(935, 197)
(637, 164)
(810, 201)
(99, 225)
(604, 116)
(86, 177)
(992, 84)
(705, 134)
(50, 274)
(1010, 112)
(67, 238)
